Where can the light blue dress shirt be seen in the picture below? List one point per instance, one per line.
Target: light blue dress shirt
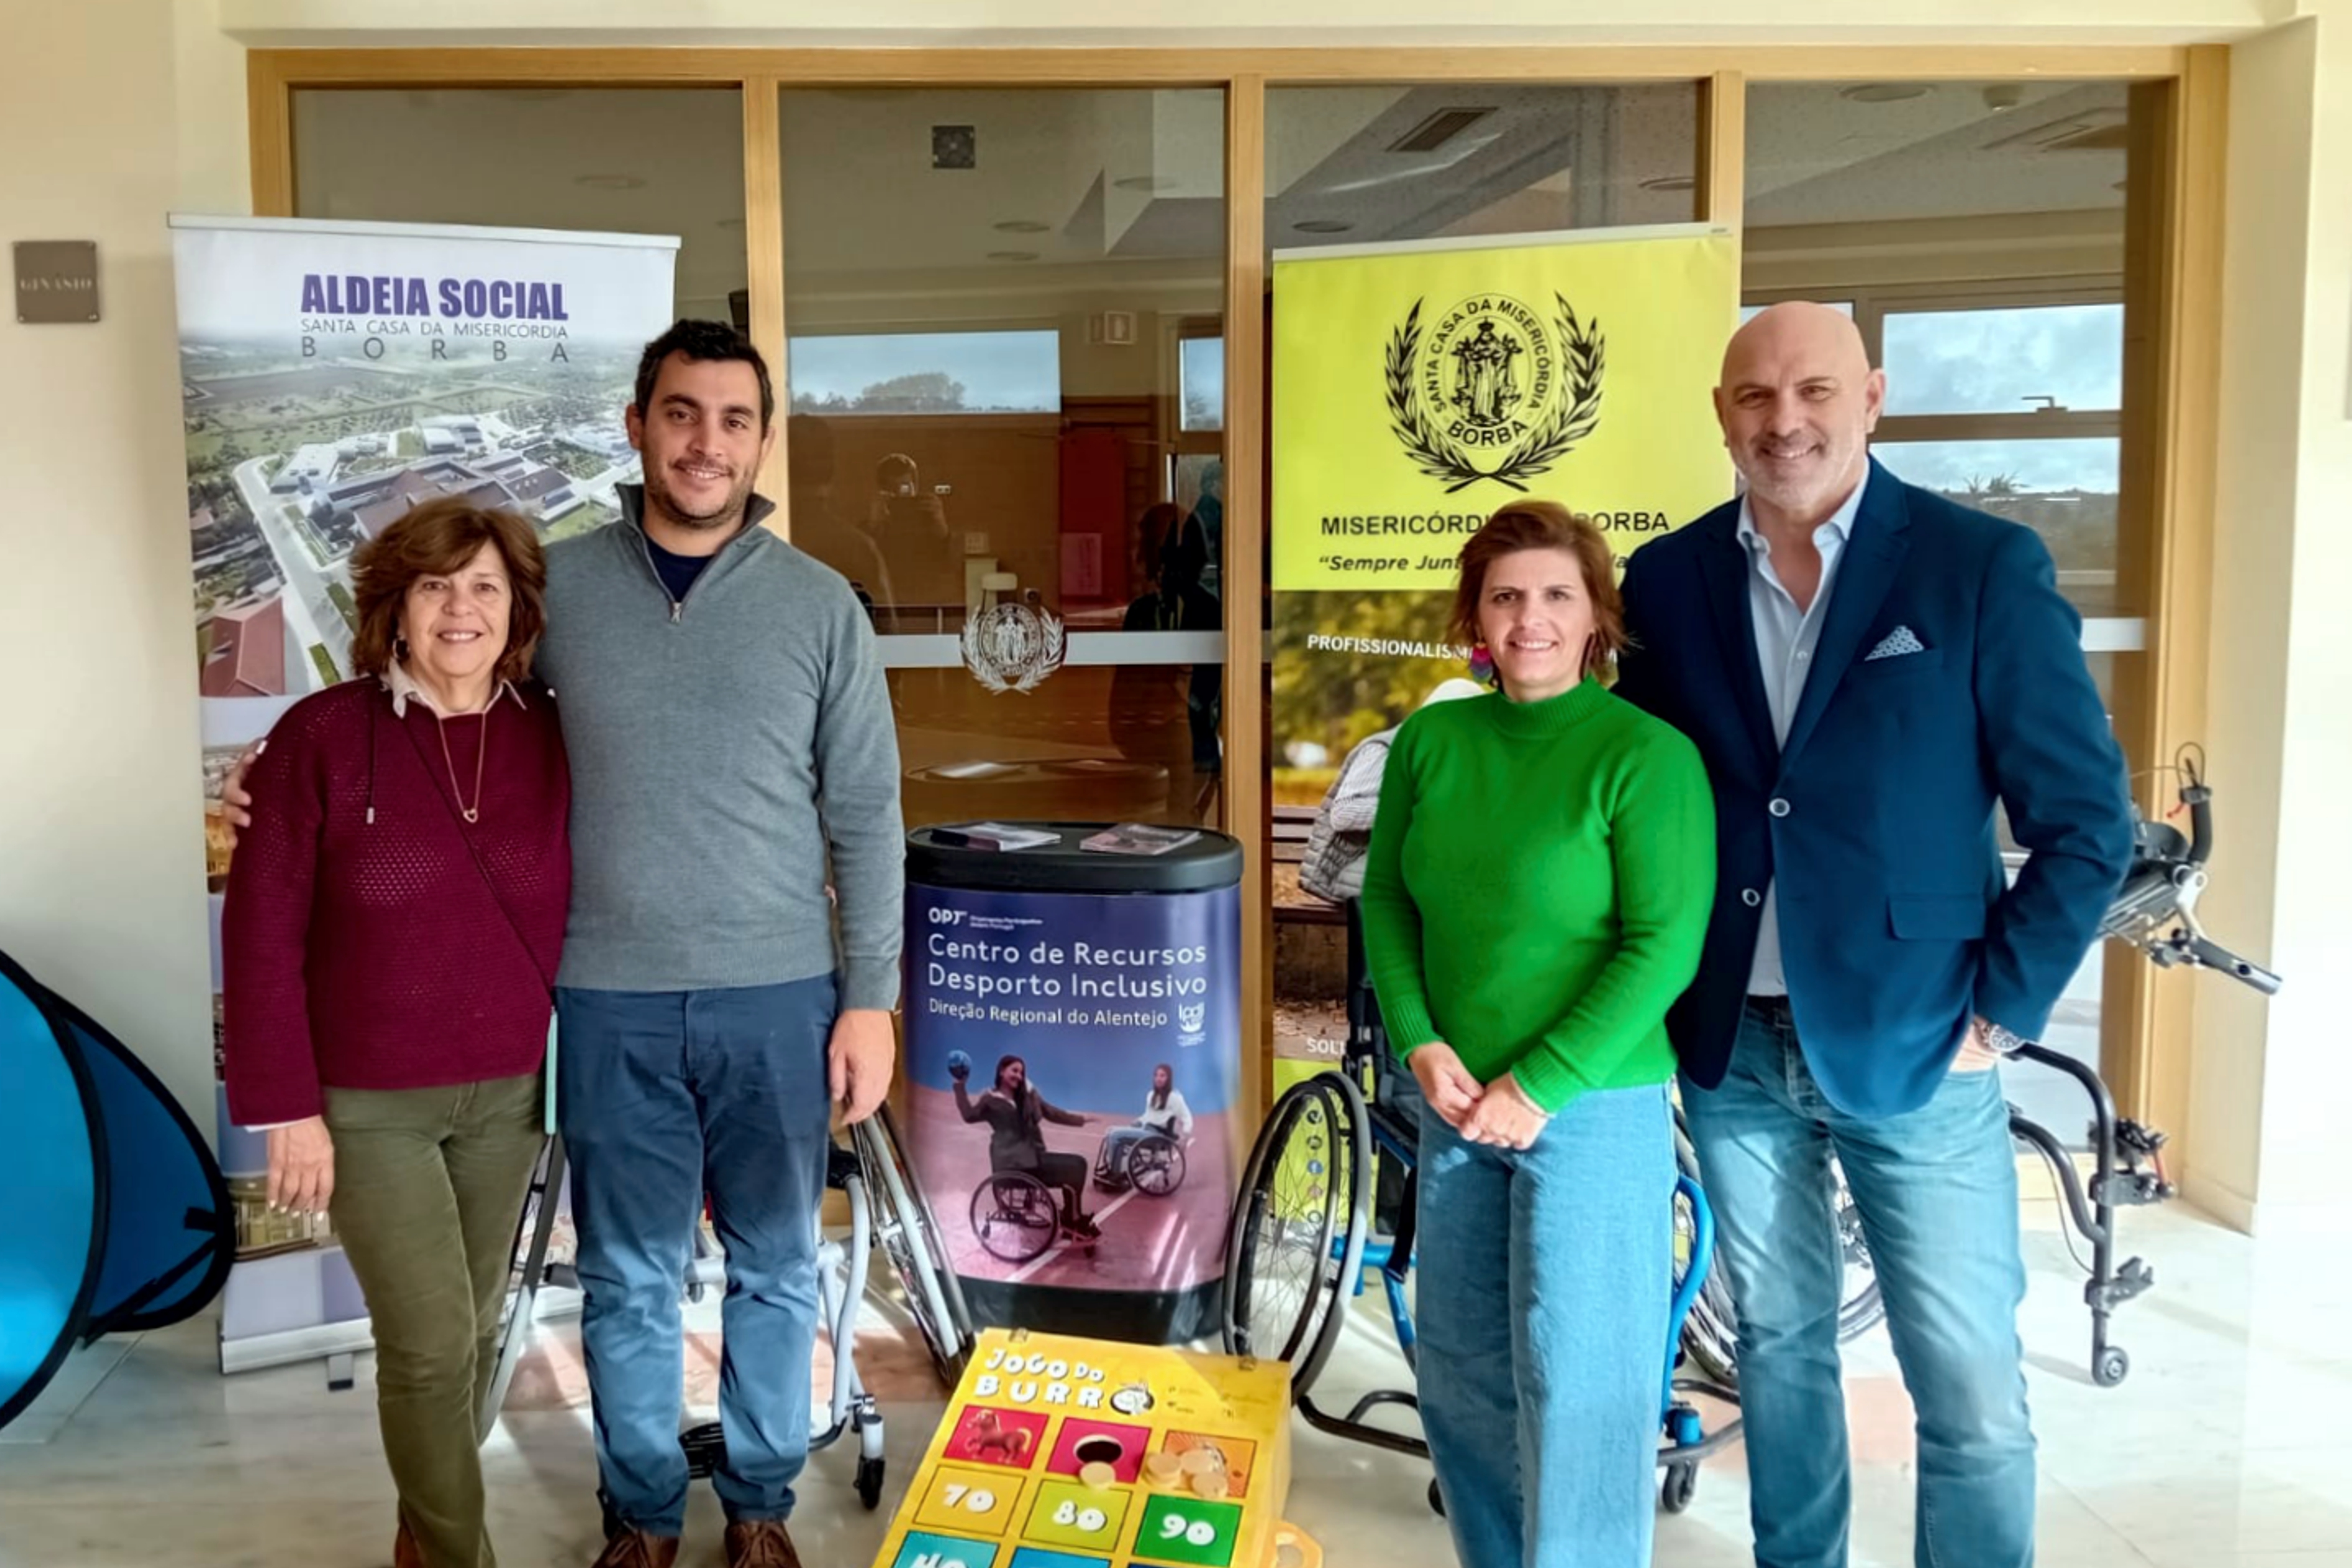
(1786, 638)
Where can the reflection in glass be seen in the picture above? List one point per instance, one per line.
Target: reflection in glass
(1367, 164)
(2005, 362)
(928, 372)
(2064, 491)
(1006, 385)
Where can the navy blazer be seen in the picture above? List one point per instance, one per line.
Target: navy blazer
(1877, 818)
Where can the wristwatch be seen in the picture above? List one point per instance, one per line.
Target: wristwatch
(2000, 1042)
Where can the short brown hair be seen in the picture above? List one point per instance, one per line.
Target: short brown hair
(1544, 525)
(435, 539)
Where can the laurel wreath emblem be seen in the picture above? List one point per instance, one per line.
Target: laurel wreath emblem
(1571, 420)
(1013, 648)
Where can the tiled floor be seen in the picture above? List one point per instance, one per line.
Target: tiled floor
(2220, 1452)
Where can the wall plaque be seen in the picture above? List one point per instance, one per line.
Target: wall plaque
(57, 281)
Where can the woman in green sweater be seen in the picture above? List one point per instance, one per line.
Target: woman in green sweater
(1541, 867)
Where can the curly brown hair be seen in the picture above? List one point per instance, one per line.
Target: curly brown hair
(436, 539)
(1544, 525)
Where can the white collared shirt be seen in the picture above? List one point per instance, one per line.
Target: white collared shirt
(1785, 638)
(403, 686)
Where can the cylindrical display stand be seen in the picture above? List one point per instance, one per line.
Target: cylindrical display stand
(1072, 1057)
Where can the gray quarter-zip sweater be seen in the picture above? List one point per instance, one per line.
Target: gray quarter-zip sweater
(732, 753)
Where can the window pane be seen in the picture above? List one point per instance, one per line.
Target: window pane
(1204, 383)
(1365, 163)
(1005, 308)
(2005, 362)
(606, 159)
(928, 372)
(2064, 491)
(1842, 307)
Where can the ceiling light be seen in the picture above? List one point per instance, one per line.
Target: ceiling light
(1885, 92)
(1324, 226)
(1671, 182)
(1013, 255)
(1021, 225)
(610, 182)
(1147, 183)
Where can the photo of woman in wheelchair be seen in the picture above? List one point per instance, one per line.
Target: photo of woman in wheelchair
(1016, 1114)
(1149, 1155)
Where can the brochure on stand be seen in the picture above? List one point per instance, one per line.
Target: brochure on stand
(1137, 838)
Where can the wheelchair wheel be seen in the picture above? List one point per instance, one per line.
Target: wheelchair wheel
(533, 1227)
(1298, 1226)
(1013, 1215)
(908, 1232)
(1156, 1166)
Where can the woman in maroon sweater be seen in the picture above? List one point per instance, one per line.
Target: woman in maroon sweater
(393, 918)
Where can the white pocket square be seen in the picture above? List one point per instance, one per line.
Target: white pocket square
(1902, 640)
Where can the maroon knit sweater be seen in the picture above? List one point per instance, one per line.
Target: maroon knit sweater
(375, 955)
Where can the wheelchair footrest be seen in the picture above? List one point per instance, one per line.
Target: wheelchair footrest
(2133, 1279)
(706, 1449)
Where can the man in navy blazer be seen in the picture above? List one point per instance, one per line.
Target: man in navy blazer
(1868, 669)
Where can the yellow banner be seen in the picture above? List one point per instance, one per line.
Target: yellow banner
(1415, 392)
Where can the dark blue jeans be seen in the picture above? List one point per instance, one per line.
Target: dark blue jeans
(667, 1096)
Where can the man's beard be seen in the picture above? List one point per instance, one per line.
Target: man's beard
(659, 497)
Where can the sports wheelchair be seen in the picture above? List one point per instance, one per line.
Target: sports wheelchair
(887, 1209)
(1304, 1225)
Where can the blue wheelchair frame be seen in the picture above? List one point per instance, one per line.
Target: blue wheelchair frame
(1394, 1136)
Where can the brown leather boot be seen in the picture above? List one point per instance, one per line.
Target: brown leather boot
(636, 1549)
(759, 1543)
(406, 1552)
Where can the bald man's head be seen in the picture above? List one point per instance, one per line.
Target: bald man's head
(1797, 402)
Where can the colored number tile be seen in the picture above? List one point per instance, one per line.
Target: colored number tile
(1083, 1443)
(1030, 1557)
(985, 1435)
(926, 1550)
(1193, 1531)
(1068, 1514)
(1236, 1456)
(961, 1498)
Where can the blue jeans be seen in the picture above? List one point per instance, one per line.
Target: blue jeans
(1937, 1192)
(667, 1096)
(1544, 1278)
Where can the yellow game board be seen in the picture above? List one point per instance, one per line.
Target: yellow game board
(1071, 1453)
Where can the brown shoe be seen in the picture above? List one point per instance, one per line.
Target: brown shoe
(406, 1552)
(759, 1543)
(637, 1549)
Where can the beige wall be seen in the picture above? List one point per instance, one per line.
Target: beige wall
(2271, 1078)
(102, 887)
(1315, 22)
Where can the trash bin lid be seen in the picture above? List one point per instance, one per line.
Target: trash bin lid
(1212, 860)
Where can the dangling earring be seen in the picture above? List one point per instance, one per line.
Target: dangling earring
(1482, 665)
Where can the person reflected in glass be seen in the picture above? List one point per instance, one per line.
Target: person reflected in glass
(909, 524)
(817, 524)
(1146, 699)
(1017, 1113)
(1536, 896)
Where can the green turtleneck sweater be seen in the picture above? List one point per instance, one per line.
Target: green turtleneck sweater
(1537, 889)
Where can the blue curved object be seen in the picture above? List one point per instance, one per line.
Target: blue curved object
(119, 1219)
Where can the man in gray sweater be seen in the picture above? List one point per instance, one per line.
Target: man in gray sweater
(732, 752)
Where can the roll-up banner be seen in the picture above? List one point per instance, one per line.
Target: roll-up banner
(1418, 388)
(332, 376)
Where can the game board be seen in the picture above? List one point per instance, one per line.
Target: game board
(1071, 1453)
